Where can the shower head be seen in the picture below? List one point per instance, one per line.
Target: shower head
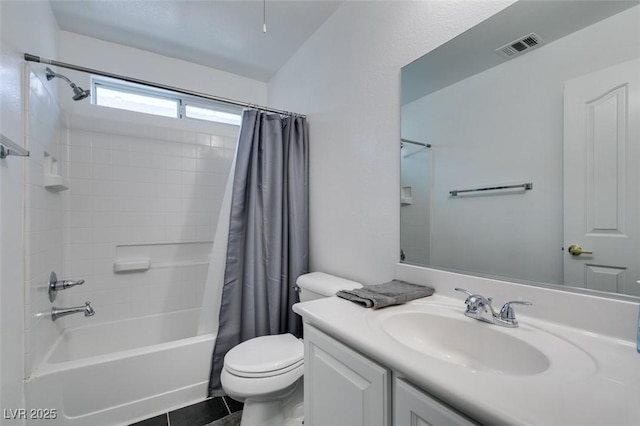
(78, 93)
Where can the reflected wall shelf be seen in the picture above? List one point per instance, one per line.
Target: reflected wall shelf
(406, 198)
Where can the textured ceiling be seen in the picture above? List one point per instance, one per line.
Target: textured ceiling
(226, 35)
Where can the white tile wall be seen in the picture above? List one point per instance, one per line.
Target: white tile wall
(44, 217)
(132, 183)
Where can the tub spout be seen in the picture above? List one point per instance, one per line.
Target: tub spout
(61, 312)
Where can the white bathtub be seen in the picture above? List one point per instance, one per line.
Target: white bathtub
(124, 371)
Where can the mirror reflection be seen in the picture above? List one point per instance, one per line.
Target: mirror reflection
(521, 140)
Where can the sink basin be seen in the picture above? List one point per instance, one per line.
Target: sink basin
(466, 342)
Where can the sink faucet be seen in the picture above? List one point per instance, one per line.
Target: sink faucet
(61, 312)
(479, 307)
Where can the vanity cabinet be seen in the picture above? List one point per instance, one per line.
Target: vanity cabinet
(342, 387)
(414, 407)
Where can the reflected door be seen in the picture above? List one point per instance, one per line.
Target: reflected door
(601, 179)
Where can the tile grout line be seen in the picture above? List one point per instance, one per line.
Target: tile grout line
(225, 404)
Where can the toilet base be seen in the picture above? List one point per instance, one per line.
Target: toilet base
(280, 412)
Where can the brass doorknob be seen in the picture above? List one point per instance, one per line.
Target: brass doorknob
(576, 250)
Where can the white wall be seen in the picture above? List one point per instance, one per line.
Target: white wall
(346, 77)
(18, 35)
(130, 62)
(479, 138)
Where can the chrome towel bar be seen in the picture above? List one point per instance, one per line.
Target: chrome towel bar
(526, 186)
(9, 147)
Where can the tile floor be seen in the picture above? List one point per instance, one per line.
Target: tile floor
(199, 414)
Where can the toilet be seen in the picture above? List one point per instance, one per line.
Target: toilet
(266, 372)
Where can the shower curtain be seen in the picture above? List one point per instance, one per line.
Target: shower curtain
(268, 234)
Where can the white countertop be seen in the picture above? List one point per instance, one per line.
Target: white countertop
(603, 390)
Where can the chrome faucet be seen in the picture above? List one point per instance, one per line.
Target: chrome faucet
(62, 312)
(479, 307)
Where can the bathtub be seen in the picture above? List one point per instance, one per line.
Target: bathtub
(121, 372)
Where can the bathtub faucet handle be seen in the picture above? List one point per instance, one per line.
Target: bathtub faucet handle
(55, 285)
(65, 284)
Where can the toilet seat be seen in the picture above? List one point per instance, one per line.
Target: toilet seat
(265, 356)
(264, 373)
(266, 388)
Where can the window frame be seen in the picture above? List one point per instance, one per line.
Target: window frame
(181, 100)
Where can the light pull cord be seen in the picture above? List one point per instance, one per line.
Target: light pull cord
(264, 16)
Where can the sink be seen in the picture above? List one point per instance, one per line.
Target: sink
(466, 342)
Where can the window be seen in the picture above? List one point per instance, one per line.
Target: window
(123, 99)
(219, 112)
(150, 100)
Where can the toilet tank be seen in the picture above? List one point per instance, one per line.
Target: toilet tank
(316, 285)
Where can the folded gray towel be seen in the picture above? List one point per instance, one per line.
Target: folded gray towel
(378, 296)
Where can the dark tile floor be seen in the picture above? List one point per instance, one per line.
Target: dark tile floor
(195, 415)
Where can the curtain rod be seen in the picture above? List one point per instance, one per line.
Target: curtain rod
(33, 58)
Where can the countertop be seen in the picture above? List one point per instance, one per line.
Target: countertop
(603, 390)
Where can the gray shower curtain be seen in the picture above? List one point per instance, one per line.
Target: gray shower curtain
(268, 234)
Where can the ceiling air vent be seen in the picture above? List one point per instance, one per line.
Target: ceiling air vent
(518, 47)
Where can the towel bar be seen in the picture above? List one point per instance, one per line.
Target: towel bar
(526, 186)
(9, 147)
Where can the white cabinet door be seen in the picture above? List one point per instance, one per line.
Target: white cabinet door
(341, 387)
(415, 408)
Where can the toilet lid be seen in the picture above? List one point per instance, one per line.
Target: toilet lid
(265, 356)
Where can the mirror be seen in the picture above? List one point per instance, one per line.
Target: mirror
(520, 140)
